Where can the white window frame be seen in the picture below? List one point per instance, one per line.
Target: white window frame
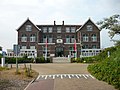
(73, 29)
(94, 37)
(44, 29)
(44, 39)
(50, 39)
(86, 46)
(28, 28)
(73, 39)
(67, 39)
(85, 38)
(32, 38)
(59, 30)
(67, 29)
(24, 38)
(50, 29)
(94, 47)
(23, 47)
(89, 28)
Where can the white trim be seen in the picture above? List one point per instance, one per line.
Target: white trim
(72, 43)
(45, 43)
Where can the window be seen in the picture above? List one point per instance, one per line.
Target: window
(44, 29)
(94, 46)
(85, 38)
(32, 47)
(67, 29)
(32, 38)
(67, 39)
(44, 39)
(24, 38)
(23, 47)
(50, 39)
(50, 29)
(58, 36)
(73, 29)
(94, 38)
(58, 29)
(85, 46)
(89, 28)
(71, 48)
(72, 39)
(28, 27)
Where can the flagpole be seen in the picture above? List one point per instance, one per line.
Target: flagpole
(75, 48)
(46, 50)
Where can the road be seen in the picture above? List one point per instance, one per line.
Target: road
(66, 76)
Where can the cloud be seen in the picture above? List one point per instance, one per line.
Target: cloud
(15, 12)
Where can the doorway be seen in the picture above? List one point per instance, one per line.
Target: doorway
(59, 52)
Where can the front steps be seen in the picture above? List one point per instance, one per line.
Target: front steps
(61, 60)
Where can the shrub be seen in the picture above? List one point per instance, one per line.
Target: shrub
(108, 69)
(40, 60)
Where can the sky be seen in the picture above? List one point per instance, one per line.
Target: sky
(14, 12)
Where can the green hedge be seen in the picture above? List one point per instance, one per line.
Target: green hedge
(100, 57)
(12, 60)
(108, 69)
(20, 60)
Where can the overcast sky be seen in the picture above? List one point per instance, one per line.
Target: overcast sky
(14, 12)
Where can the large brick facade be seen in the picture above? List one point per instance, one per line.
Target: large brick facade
(60, 38)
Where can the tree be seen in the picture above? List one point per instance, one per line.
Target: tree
(112, 23)
(0, 48)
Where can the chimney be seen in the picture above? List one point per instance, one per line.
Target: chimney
(54, 23)
(62, 22)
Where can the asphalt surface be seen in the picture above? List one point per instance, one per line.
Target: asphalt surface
(66, 76)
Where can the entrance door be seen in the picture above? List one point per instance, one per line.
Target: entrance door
(59, 52)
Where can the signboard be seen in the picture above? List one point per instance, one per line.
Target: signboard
(59, 41)
(3, 53)
(16, 49)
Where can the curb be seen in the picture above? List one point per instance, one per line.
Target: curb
(30, 83)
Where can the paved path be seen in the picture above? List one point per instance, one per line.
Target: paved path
(70, 76)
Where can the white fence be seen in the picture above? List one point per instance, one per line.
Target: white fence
(89, 52)
(31, 53)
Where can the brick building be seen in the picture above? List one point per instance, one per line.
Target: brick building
(61, 39)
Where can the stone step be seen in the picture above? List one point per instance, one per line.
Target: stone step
(60, 60)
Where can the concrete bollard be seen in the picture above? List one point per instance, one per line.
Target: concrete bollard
(2, 62)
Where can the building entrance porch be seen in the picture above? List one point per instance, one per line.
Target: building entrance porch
(59, 51)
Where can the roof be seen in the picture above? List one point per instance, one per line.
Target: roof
(31, 23)
(85, 24)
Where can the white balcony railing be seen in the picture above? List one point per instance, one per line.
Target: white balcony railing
(89, 52)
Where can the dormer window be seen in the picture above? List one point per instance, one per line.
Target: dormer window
(89, 28)
(28, 27)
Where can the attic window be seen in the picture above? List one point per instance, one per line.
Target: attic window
(89, 28)
(28, 27)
